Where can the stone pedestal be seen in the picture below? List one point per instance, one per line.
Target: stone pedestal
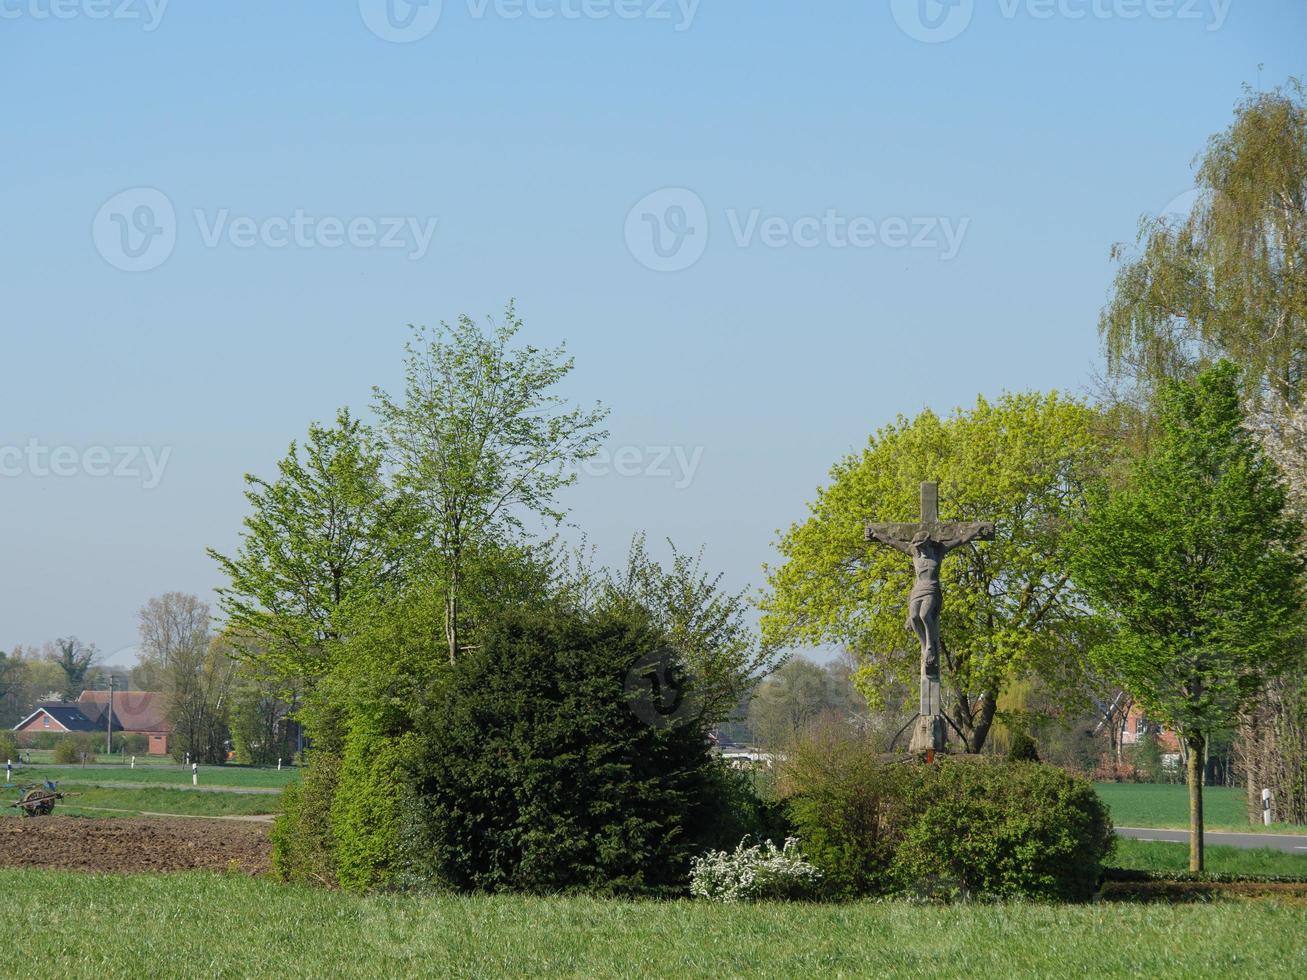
(928, 734)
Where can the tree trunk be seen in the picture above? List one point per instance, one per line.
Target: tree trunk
(451, 603)
(1195, 744)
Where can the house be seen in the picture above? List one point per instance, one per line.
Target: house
(134, 713)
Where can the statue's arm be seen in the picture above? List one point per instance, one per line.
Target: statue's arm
(883, 535)
(966, 533)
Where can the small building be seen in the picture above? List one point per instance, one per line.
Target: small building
(134, 713)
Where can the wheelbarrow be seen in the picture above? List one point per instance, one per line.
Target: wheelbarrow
(39, 801)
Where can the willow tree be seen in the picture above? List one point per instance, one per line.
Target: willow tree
(1229, 279)
(1192, 562)
(1010, 611)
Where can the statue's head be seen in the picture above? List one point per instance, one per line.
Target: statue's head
(921, 537)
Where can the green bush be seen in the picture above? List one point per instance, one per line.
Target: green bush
(955, 827)
(303, 843)
(538, 772)
(367, 820)
(1002, 829)
(66, 751)
(8, 747)
(1022, 749)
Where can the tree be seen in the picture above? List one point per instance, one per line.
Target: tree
(75, 659)
(324, 533)
(481, 441)
(1230, 278)
(1192, 562)
(535, 773)
(798, 694)
(708, 627)
(1010, 610)
(194, 669)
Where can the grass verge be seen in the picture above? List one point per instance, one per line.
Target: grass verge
(1165, 856)
(232, 926)
(235, 777)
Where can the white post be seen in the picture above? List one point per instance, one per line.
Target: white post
(195, 774)
(133, 762)
(9, 770)
(278, 763)
(1266, 807)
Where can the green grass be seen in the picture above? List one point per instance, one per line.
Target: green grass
(1153, 805)
(229, 926)
(42, 757)
(106, 802)
(237, 777)
(1165, 856)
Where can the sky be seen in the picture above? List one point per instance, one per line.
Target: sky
(763, 229)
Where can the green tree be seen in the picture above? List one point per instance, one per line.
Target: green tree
(76, 660)
(1230, 278)
(1193, 563)
(321, 535)
(1010, 610)
(482, 442)
(709, 628)
(537, 772)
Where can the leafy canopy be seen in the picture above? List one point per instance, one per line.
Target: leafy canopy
(1193, 563)
(1009, 611)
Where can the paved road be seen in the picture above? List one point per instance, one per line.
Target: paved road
(1293, 843)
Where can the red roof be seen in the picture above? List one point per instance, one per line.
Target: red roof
(133, 711)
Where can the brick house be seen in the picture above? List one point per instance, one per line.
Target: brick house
(134, 713)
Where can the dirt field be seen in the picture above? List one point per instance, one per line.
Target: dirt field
(134, 845)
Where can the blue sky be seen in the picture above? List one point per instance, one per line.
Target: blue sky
(764, 229)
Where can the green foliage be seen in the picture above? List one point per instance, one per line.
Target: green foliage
(1022, 749)
(366, 816)
(1002, 830)
(482, 442)
(1230, 278)
(8, 746)
(303, 841)
(324, 532)
(66, 751)
(877, 824)
(1192, 561)
(710, 629)
(536, 772)
(1009, 610)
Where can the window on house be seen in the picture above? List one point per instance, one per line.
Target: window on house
(1141, 726)
(45, 721)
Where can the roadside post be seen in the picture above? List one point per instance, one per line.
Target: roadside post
(1266, 807)
(195, 774)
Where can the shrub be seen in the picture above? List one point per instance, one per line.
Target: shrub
(66, 752)
(749, 874)
(1002, 829)
(537, 773)
(1022, 749)
(136, 744)
(958, 826)
(842, 801)
(303, 844)
(366, 821)
(8, 747)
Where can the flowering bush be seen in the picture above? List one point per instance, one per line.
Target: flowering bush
(749, 874)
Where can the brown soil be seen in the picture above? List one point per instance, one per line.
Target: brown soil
(131, 845)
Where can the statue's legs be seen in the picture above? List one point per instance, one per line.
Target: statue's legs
(923, 618)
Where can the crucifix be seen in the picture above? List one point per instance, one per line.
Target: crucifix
(927, 543)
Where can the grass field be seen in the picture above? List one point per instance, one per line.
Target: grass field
(98, 801)
(1165, 856)
(236, 777)
(1149, 805)
(227, 925)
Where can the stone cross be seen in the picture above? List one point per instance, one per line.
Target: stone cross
(927, 543)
